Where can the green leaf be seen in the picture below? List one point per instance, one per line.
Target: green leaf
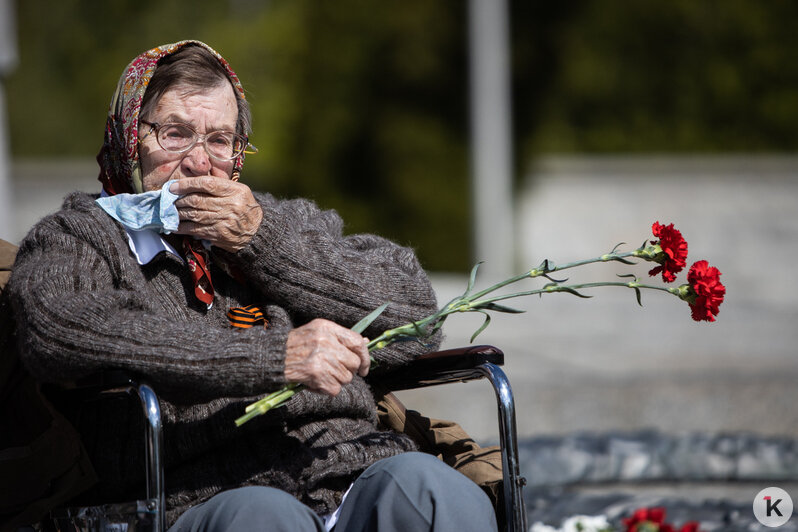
(455, 299)
(472, 278)
(639, 295)
(363, 324)
(438, 325)
(626, 275)
(574, 292)
(619, 244)
(501, 308)
(421, 332)
(546, 266)
(483, 327)
(624, 261)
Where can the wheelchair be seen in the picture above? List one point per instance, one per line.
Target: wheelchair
(442, 367)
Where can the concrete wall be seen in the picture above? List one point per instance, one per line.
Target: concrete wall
(605, 363)
(38, 188)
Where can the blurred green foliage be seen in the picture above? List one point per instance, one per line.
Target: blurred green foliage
(363, 105)
(657, 75)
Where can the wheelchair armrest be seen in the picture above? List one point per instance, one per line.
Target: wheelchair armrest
(97, 384)
(442, 367)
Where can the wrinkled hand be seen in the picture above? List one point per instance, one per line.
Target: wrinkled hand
(218, 210)
(323, 356)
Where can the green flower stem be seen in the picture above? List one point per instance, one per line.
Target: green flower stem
(502, 284)
(417, 329)
(272, 396)
(646, 253)
(475, 303)
(570, 288)
(267, 403)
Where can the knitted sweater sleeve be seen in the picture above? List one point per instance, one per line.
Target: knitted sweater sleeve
(301, 257)
(81, 305)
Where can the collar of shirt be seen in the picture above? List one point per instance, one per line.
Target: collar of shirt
(146, 243)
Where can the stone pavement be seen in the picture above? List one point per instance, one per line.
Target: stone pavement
(712, 479)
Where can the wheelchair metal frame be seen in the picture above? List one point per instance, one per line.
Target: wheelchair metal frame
(442, 367)
(468, 364)
(149, 514)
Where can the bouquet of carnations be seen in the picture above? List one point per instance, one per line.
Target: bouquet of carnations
(703, 292)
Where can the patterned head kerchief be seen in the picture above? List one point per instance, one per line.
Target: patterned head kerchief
(120, 171)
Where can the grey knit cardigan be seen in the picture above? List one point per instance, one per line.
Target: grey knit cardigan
(83, 304)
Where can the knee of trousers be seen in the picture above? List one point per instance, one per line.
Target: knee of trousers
(430, 475)
(416, 491)
(249, 508)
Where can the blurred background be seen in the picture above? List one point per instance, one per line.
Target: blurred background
(595, 118)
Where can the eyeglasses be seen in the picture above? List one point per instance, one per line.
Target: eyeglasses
(180, 138)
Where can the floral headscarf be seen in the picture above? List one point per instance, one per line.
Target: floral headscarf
(120, 171)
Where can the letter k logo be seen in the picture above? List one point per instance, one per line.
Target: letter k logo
(772, 506)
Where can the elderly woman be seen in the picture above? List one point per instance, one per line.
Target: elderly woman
(91, 293)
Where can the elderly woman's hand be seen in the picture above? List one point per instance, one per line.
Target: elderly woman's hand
(221, 211)
(324, 356)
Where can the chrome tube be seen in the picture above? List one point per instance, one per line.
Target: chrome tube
(514, 510)
(153, 450)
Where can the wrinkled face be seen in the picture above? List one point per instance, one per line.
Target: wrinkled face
(206, 111)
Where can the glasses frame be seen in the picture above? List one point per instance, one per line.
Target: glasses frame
(199, 137)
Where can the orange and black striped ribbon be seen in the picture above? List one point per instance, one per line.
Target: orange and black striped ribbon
(246, 317)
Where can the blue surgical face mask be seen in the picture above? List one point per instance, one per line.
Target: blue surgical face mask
(149, 210)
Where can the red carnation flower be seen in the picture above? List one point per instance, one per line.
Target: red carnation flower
(690, 526)
(641, 516)
(674, 251)
(708, 290)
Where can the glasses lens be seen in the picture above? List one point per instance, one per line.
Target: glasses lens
(223, 145)
(176, 137)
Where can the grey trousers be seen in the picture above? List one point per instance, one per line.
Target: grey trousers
(406, 493)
